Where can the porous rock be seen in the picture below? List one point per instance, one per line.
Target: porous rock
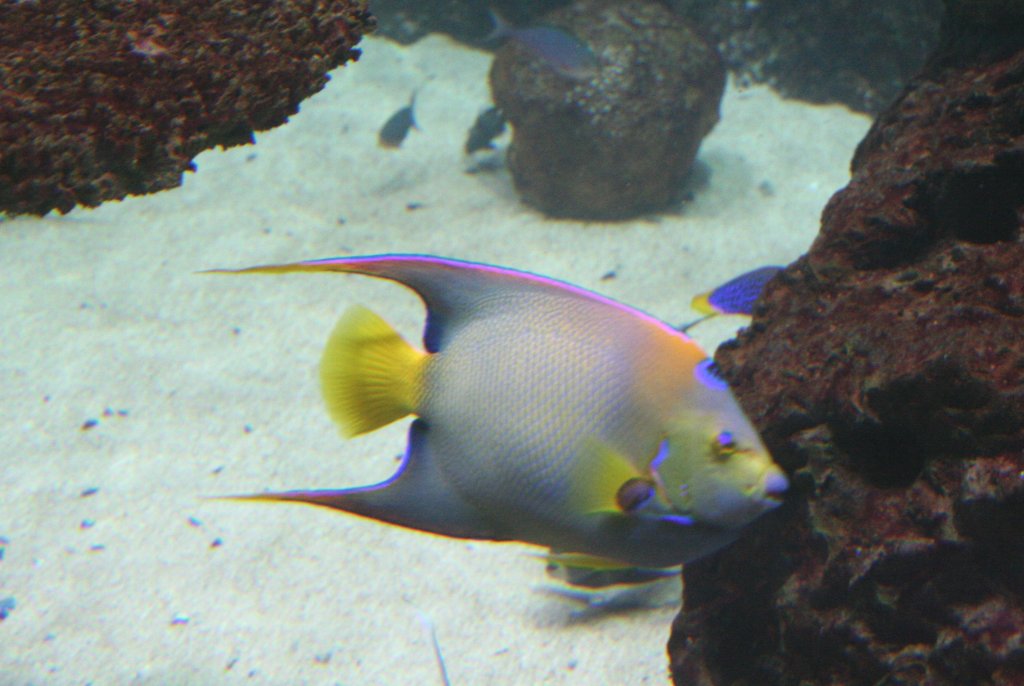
(885, 370)
(619, 143)
(857, 52)
(468, 21)
(103, 99)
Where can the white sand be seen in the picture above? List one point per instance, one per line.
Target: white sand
(103, 309)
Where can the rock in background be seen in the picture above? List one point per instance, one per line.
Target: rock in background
(619, 143)
(468, 21)
(857, 52)
(886, 372)
(99, 100)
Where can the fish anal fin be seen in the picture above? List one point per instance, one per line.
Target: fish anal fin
(417, 497)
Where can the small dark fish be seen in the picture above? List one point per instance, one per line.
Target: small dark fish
(565, 53)
(488, 126)
(396, 128)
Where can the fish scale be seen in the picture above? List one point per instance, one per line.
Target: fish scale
(528, 442)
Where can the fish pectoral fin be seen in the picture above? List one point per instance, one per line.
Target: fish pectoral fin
(417, 497)
(608, 482)
(369, 375)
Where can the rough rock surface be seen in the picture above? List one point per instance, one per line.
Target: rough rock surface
(857, 52)
(886, 372)
(102, 99)
(468, 21)
(621, 142)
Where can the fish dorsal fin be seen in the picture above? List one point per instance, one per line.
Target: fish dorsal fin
(597, 485)
(454, 291)
(458, 293)
(370, 376)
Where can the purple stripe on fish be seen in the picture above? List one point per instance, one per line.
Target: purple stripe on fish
(709, 375)
(414, 259)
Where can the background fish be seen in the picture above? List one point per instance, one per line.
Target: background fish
(545, 413)
(563, 52)
(488, 126)
(735, 296)
(396, 128)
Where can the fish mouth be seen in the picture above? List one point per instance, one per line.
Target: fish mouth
(775, 485)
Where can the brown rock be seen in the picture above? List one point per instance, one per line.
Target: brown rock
(886, 372)
(859, 53)
(103, 99)
(618, 143)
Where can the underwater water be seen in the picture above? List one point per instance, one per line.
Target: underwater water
(135, 388)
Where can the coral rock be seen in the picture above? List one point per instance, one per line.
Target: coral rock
(858, 53)
(102, 99)
(886, 372)
(407, 21)
(618, 143)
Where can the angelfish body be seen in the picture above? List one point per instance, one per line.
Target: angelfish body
(546, 414)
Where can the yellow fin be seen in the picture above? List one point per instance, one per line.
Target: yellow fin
(702, 303)
(369, 375)
(583, 561)
(597, 482)
(584, 577)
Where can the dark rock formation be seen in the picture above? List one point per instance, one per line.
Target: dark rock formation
(619, 143)
(857, 52)
(886, 372)
(102, 99)
(468, 21)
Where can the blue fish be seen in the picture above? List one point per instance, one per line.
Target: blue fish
(566, 54)
(736, 296)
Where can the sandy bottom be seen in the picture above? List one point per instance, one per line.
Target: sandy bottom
(132, 387)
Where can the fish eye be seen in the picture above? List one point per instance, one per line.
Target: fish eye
(724, 445)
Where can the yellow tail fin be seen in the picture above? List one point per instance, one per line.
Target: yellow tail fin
(370, 376)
